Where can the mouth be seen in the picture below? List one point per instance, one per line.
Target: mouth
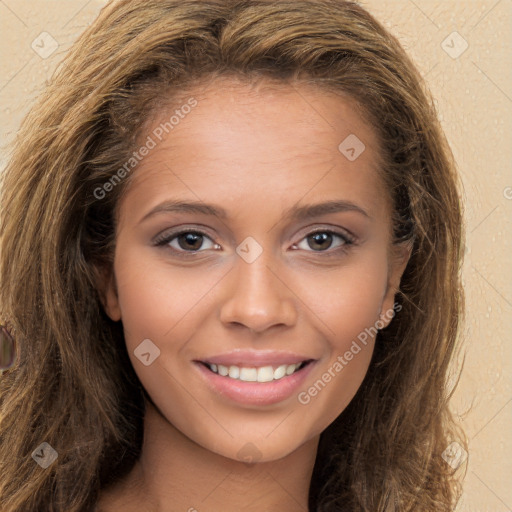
(255, 377)
(255, 386)
(261, 374)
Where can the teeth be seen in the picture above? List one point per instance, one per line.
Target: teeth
(280, 372)
(265, 374)
(248, 374)
(234, 372)
(261, 374)
(290, 369)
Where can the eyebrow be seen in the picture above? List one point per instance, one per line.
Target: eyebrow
(295, 212)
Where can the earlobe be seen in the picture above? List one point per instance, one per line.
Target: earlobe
(106, 285)
(112, 302)
(400, 257)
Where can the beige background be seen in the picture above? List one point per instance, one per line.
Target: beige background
(473, 90)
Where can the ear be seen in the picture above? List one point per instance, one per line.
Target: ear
(107, 289)
(399, 257)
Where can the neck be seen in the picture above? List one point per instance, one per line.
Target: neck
(176, 474)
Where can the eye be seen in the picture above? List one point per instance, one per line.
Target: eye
(191, 241)
(322, 240)
(185, 241)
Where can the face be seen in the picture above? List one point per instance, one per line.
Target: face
(249, 242)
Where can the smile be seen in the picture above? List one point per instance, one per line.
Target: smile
(258, 374)
(255, 385)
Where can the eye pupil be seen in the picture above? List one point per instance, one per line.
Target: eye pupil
(319, 238)
(194, 239)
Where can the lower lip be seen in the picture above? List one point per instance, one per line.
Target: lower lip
(255, 393)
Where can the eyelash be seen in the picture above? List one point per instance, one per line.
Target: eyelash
(165, 239)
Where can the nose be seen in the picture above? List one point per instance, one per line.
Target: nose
(257, 298)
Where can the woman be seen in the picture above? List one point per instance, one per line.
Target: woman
(184, 341)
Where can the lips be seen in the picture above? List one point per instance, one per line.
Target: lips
(255, 377)
(256, 358)
(254, 393)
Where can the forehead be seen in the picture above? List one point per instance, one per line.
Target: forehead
(244, 141)
(303, 114)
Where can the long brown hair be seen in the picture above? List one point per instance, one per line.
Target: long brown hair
(72, 384)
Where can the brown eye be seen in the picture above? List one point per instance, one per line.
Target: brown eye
(190, 241)
(321, 241)
(186, 241)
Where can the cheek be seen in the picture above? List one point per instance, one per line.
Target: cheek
(347, 304)
(346, 300)
(157, 300)
(167, 306)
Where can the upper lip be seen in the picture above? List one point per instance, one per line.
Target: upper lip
(256, 358)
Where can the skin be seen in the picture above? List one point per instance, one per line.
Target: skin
(254, 150)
